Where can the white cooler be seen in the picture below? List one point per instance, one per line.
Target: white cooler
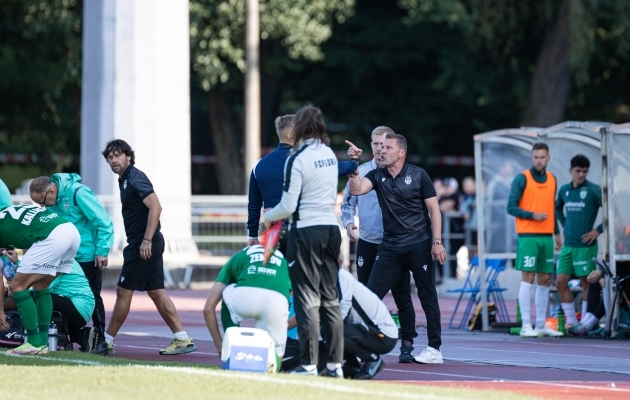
(248, 349)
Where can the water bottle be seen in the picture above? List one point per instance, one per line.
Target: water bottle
(53, 338)
(561, 328)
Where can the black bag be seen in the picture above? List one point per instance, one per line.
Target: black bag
(474, 324)
(14, 337)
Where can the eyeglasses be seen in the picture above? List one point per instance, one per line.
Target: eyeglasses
(43, 204)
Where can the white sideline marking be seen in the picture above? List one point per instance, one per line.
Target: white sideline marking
(304, 382)
(68, 360)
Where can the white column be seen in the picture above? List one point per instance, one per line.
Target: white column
(148, 76)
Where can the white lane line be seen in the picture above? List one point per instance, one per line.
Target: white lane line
(513, 364)
(441, 374)
(534, 352)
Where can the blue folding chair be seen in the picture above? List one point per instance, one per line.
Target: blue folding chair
(473, 288)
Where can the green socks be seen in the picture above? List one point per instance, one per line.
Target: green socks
(43, 303)
(28, 315)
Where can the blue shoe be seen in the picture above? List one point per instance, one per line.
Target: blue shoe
(370, 369)
(406, 352)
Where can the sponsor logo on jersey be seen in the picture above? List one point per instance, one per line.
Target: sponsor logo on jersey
(424, 267)
(125, 184)
(291, 263)
(383, 179)
(408, 179)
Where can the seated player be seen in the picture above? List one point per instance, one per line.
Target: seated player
(52, 242)
(251, 289)
(369, 329)
(71, 297)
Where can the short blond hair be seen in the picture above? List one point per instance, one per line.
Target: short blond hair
(381, 130)
(284, 124)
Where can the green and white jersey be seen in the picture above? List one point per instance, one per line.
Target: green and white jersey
(23, 225)
(576, 210)
(245, 268)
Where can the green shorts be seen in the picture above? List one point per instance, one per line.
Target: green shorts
(577, 261)
(535, 254)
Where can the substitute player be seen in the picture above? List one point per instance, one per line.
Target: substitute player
(531, 201)
(251, 289)
(581, 200)
(52, 242)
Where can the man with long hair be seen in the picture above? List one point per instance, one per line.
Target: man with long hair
(308, 198)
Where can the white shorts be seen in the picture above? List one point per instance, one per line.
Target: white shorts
(53, 254)
(269, 308)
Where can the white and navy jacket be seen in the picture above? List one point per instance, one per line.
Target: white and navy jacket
(310, 187)
(373, 307)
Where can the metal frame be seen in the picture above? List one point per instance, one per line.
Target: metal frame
(523, 138)
(587, 133)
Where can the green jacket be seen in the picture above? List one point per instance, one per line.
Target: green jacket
(79, 205)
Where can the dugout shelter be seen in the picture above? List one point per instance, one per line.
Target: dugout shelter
(500, 155)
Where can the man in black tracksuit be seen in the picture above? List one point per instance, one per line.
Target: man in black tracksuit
(412, 226)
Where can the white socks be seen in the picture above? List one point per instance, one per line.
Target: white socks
(109, 338)
(333, 366)
(589, 321)
(182, 335)
(569, 314)
(524, 300)
(542, 302)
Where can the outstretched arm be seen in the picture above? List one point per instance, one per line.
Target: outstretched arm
(359, 186)
(209, 314)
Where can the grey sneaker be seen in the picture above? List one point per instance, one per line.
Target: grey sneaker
(406, 352)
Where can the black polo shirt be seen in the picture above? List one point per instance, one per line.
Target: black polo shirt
(134, 188)
(405, 216)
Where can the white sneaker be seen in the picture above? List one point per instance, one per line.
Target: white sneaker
(547, 331)
(429, 356)
(528, 332)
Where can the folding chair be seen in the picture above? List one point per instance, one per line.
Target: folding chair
(469, 287)
(493, 270)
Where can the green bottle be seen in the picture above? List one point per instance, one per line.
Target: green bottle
(518, 311)
(561, 327)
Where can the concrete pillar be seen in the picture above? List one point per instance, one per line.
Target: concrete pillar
(136, 88)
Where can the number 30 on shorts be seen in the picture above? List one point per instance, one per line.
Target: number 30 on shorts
(529, 262)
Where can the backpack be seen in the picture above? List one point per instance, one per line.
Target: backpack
(474, 324)
(15, 335)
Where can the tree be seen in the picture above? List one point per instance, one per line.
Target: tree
(41, 65)
(289, 31)
(564, 33)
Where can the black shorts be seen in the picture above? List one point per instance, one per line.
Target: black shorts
(143, 275)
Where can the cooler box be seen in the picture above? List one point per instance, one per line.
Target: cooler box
(248, 349)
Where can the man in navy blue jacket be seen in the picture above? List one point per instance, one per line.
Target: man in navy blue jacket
(267, 177)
